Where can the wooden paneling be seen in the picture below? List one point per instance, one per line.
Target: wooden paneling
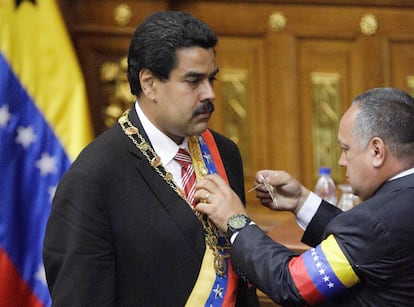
(95, 50)
(401, 56)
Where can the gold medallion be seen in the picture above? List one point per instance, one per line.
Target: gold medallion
(220, 265)
(131, 130)
(156, 161)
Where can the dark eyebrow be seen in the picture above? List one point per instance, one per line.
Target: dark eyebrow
(198, 75)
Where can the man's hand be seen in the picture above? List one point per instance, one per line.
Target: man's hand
(217, 200)
(290, 195)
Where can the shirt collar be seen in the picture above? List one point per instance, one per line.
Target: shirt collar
(404, 173)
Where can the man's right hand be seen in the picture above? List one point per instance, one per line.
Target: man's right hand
(289, 193)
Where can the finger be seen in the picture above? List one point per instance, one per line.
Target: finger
(215, 182)
(202, 208)
(201, 194)
(277, 178)
(265, 173)
(208, 183)
(271, 204)
(262, 195)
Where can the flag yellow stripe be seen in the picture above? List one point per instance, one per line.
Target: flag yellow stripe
(205, 281)
(338, 262)
(35, 42)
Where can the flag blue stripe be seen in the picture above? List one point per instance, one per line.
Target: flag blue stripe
(321, 272)
(218, 292)
(25, 193)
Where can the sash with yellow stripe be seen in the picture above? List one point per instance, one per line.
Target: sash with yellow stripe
(211, 289)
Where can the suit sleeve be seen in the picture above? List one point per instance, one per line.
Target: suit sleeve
(290, 279)
(78, 253)
(356, 247)
(262, 261)
(313, 234)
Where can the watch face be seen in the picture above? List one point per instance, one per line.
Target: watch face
(237, 221)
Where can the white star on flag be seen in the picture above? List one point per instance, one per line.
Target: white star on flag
(4, 115)
(46, 164)
(318, 264)
(25, 136)
(218, 291)
(208, 158)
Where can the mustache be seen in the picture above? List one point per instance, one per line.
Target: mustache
(206, 107)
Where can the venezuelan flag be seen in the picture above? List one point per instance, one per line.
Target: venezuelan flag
(322, 272)
(44, 123)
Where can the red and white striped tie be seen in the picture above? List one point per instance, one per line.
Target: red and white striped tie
(188, 176)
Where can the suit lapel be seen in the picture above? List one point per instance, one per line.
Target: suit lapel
(176, 207)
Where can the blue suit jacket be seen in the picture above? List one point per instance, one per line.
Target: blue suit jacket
(376, 237)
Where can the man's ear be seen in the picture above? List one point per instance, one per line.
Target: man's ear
(147, 80)
(378, 151)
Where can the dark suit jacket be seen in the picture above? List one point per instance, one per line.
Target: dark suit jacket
(376, 237)
(118, 235)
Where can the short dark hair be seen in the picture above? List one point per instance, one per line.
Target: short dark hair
(387, 113)
(156, 40)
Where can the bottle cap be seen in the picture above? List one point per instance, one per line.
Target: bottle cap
(324, 171)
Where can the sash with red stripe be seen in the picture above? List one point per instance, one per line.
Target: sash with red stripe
(223, 290)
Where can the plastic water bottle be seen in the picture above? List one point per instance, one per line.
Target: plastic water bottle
(325, 186)
(346, 201)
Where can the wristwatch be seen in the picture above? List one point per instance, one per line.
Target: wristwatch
(236, 223)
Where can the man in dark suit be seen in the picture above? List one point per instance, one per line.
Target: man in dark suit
(122, 231)
(361, 257)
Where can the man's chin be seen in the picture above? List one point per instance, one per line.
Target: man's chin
(199, 128)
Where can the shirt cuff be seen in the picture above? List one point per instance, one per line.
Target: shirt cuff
(234, 236)
(308, 210)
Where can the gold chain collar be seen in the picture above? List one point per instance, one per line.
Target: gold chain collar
(210, 230)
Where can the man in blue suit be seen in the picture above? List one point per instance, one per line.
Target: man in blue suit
(362, 257)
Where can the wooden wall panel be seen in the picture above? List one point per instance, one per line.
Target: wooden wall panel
(401, 53)
(94, 51)
(323, 57)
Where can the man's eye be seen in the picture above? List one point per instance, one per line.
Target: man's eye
(193, 81)
(212, 79)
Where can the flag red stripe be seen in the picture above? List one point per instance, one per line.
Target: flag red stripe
(14, 291)
(212, 146)
(303, 281)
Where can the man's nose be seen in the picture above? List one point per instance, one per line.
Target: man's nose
(341, 161)
(207, 91)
